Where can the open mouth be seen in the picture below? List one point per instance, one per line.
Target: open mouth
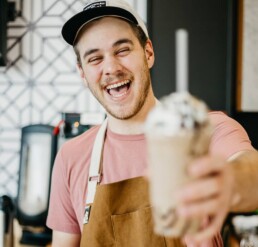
(119, 89)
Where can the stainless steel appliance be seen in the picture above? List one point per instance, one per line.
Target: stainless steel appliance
(38, 150)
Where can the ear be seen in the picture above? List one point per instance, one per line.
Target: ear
(149, 53)
(82, 74)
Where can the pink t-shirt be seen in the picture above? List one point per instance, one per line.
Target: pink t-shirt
(124, 157)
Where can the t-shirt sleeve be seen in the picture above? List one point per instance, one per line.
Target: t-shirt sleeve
(61, 214)
(229, 136)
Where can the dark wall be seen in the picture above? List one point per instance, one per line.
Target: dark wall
(249, 120)
(206, 22)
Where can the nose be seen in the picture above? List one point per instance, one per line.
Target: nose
(111, 65)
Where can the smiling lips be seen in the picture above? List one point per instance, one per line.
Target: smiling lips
(119, 89)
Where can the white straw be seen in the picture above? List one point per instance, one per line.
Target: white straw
(181, 60)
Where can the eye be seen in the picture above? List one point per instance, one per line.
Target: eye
(123, 51)
(94, 60)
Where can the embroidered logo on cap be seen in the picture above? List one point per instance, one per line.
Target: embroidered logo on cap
(96, 5)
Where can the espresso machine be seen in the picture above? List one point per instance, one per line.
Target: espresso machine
(37, 154)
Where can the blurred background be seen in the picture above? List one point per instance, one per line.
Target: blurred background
(43, 102)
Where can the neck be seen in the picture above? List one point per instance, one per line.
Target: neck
(133, 125)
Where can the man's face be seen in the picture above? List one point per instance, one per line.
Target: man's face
(115, 67)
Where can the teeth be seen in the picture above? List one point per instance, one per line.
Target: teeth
(118, 84)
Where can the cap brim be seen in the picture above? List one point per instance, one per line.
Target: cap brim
(73, 25)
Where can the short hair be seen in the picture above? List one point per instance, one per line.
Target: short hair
(137, 30)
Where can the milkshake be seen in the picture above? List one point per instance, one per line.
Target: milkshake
(177, 131)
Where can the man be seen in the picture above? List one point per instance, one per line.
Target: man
(114, 57)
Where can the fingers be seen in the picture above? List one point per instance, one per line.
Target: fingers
(199, 210)
(205, 196)
(204, 236)
(205, 166)
(215, 208)
(200, 189)
(208, 195)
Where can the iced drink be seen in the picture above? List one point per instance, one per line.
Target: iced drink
(177, 131)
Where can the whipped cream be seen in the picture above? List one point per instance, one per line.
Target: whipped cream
(176, 112)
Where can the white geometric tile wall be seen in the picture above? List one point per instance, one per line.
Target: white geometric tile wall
(40, 80)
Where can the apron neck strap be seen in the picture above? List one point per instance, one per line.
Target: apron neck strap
(95, 163)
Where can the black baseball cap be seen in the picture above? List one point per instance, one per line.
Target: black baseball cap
(96, 9)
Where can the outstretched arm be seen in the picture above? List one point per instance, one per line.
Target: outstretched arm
(219, 187)
(245, 173)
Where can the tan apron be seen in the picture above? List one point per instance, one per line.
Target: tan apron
(121, 214)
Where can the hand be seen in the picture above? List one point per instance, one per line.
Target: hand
(207, 197)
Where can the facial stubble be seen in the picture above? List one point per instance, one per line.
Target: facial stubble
(145, 85)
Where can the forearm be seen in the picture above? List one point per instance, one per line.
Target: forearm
(245, 180)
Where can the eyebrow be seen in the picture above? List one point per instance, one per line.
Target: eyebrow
(117, 43)
(89, 52)
(122, 41)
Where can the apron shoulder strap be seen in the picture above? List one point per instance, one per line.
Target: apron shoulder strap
(95, 163)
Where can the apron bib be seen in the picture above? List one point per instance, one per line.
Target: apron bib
(118, 214)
